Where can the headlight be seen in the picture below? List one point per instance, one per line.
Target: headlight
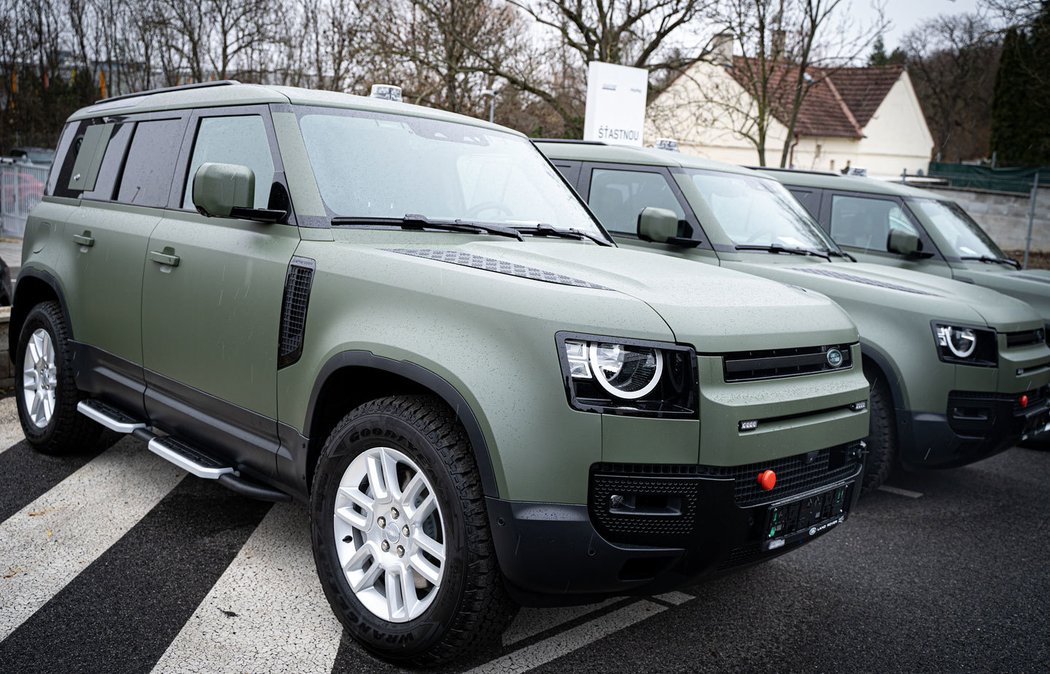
(966, 345)
(625, 376)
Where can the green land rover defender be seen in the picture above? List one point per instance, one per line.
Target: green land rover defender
(957, 372)
(407, 320)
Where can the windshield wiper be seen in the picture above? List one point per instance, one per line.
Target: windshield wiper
(543, 229)
(989, 259)
(777, 248)
(842, 253)
(416, 222)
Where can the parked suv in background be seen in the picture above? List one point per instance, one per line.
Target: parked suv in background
(957, 372)
(405, 318)
(931, 233)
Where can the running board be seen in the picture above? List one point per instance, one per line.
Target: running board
(183, 455)
(109, 416)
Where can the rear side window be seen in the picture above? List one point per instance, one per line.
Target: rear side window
(233, 140)
(112, 162)
(810, 200)
(617, 197)
(151, 161)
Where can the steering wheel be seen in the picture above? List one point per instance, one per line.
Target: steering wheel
(497, 206)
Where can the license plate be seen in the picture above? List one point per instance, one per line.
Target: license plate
(805, 517)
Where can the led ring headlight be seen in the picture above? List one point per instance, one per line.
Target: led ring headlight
(628, 373)
(962, 342)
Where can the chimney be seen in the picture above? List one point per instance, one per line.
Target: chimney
(722, 49)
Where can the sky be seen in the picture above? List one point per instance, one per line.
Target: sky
(907, 14)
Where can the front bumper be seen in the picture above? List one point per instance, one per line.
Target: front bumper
(649, 528)
(975, 426)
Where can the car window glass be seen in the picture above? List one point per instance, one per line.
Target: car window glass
(146, 180)
(66, 156)
(810, 200)
(112, 161)
(965, 236)
(233, 140)
(617, 197)
(865, 223)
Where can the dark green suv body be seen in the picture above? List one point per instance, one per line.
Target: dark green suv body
(958, 372)
(407, 319)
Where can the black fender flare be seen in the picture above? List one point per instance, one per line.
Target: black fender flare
(885, 364)
(19, 312)
(425, 378)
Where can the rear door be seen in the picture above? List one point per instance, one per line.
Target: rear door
(212, 293)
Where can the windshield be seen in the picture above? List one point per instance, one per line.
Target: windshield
(965, 236)
(372, 165)
(756, 211)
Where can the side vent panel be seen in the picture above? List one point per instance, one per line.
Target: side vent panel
(297, 286)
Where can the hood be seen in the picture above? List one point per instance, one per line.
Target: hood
(1030, 285)
(714, 309)
(933, 296)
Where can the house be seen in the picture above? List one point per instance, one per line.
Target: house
(864, 118)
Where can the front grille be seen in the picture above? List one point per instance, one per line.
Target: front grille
(659, 502)
(1026, 338)
(297, 286)
(776, 363)
(745, 554)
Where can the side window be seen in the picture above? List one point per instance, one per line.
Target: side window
(569, 169)
(62, 168)
(150, 165)
(233, 140)
(810, 200)
(617, 197)
(112, 162)
(865, 223)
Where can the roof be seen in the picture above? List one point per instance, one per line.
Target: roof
(622, 154)
(851, 183)
(233, 94)
(840, 102)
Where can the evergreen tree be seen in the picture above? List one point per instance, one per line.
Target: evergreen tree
(1021, 106)
(878, 56)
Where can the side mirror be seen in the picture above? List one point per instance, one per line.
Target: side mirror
(228, 191)
(903, 242)
(658, 225)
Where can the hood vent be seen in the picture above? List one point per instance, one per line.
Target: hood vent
(843, 276)
(498, 266)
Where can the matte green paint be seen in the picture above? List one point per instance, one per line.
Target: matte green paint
(211, 322)
(895, 322)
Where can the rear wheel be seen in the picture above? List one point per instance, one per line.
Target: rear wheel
(882, 433)
(400, 534)
(46, 393)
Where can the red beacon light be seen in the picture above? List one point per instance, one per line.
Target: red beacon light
(767, 479)
(1023, 400)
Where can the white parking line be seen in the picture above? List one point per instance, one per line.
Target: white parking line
(267, 613)
(532, 621)
(900, 492)
(570, 640)
(10, 430)
(676, 598)
(46, 544)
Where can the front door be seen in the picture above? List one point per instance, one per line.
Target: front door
(212, 293)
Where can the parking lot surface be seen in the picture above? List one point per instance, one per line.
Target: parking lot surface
(119, 562)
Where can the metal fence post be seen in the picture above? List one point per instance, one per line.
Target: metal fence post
(1031, 218)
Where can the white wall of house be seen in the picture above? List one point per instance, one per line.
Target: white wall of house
(705, 110)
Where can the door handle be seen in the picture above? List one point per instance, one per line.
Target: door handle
(164, 258)
(84, 239)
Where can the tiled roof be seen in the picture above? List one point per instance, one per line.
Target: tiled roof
(839, 102)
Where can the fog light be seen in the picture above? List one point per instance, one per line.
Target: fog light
(859, 406)
(748, 425)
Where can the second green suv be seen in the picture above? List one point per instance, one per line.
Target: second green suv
(957, 372)
(406, 319)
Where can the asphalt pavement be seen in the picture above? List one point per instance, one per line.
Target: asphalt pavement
(119, 562)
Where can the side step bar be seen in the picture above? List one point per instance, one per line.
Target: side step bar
(183, 455)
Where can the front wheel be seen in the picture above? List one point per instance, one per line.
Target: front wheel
(400, 534)
(46, 392)
(882, 434)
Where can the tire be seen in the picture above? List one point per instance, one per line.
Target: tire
(882, 433)
(425, 623)
(64, 430)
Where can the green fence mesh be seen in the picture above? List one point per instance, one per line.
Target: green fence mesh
(1017, 180)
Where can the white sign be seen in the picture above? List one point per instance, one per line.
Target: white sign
(615, 104)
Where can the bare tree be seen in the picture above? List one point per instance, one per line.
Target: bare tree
(948, 55)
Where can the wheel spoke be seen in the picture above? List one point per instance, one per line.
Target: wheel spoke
(416, 485)
(424, 509)
(408, 591)
(394, 601)
(375, 478)
(424, 568)
(34, 350)
(49, 406)
(430, 546)
(390, 473)
(353, 518)
(359, 498)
